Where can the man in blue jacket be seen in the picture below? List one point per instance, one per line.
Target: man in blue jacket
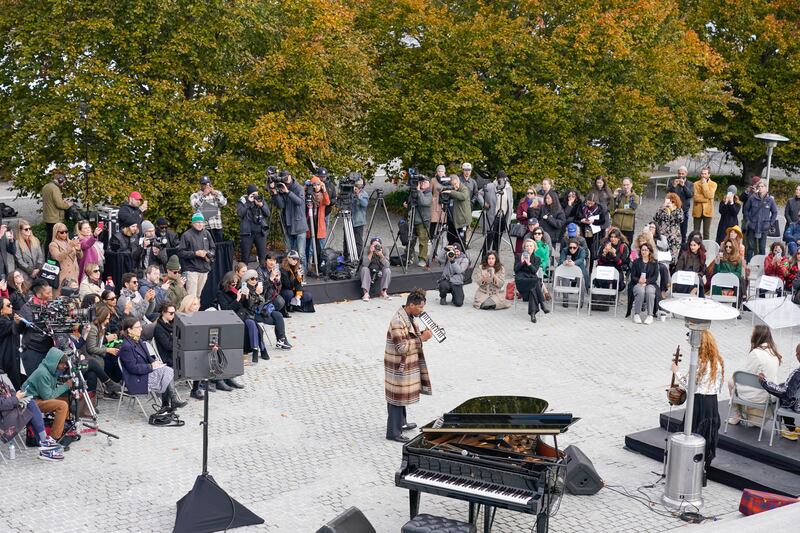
(289, 196)
(761, 212)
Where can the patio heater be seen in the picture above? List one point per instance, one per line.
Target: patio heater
(771, 140)
(685, 453)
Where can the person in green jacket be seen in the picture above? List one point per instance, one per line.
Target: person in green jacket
(43, 386)
(728, 261)
(461, 213)
(542, 251)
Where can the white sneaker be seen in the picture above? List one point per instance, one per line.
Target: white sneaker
(365, 298)
(422, 264)
(648, 320)
(637, 319)
(49, 444)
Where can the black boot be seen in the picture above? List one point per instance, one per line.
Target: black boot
(174, 401)
(166, 402)
(264, 355)
(255, 355)
(533, 318)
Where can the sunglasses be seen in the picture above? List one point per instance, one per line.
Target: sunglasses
(61, 232)
(538, 233)
(530, 193)
(573, 248)
(26, 229)
(111, 299)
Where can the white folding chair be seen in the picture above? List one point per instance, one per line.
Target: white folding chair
(684, 277)
(725, 280)
(746, 379)
(604, 273)
(712, 249)
(781, 412)
(19, 443)
(264, 329)
(563, 278)
(133, 397)
(756, 266)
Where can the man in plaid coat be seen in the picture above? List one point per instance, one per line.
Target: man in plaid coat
(404, 364)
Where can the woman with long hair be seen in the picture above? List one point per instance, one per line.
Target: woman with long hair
(108, 300)
(29, 254)
(295, 295)
(189, 305)
(571, 203)
(9, 343)
(692, 259)
(708, 382)
(729, 208)
(67, 252)
(491, 281)
(527, 280)
(764, 358)
(786, 393)
(231, 298)
(668, 220)
(778, 265)
(728, 261)
(792, 270)
(602, 190)
(92, 282)
(19, 289)
(98, 340)
(552, 217)
(644, 285)
(88, 241)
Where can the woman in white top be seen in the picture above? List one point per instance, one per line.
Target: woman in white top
(710, 372)
(763, 358)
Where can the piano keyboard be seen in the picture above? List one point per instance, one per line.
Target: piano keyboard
(471, 487)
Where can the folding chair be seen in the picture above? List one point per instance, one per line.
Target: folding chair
(748, 380)
(712, 249)
(563, 278)
(134, 397)
(756, 266)
(779, 412)
(725, 280)
(19, 442)
(604, 273)
(681, 277)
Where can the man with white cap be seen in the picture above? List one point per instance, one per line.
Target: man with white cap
(468, 182)
(208, 202)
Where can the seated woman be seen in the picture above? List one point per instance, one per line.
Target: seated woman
(99, 344)
(575, 254)
(374, 269)
(543, 250)
(163, 333)
(9, 342)
(692, 259)
(108, 300)
(643, 286)
(793, 270)
(269, 274)
(92, 282)
(614, 252)
(527, 280)
(16, 411)
(778, 265)
(728, 261)
(140, 372)
(491, 281)
(189, 305)
(230, 298)
(764, 358)
(786, 393)
(254, 302)
(19, 290)
(292, 291)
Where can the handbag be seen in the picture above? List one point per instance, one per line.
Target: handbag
(518, 230)
(165, 419)
(511, 288)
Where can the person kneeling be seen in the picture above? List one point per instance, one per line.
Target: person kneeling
(374, 267)
(452, 282)
(527, 280)
(140, 373)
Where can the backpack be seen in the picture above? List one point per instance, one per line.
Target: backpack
(165, 419)
(6, 211)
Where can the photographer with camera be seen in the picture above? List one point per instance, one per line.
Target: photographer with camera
(163, 231)
(253, 214)
(140, 306)
(455, 265)
(35, 344)
(358, 210)
(254, 300)
(420, 198)
(197, 249)
(230, 298)
(154, 248)
(460, 214)
(208, 201)
(375, 266)
(53, 204)
(289, 196)
(293, 292)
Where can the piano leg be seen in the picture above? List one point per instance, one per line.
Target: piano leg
(488, 517)
(542, 522)
(471, 513)
(413, 502)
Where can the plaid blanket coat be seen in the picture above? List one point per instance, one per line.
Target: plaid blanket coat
(406, 374)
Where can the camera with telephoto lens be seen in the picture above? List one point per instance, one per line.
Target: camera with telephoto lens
(345, 189)
(210, 255)
(378, 247)
(450, 252)
(60, 316)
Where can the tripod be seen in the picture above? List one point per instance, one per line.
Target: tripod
(313, 231)
(380, 201)
(494, 229)
(410, 235)
(346, 217)
(441, 227)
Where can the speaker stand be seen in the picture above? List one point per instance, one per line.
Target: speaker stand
(207, 507)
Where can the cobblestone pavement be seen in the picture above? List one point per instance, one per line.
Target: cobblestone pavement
(305, 439)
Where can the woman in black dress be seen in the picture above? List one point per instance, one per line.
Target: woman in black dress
(527, 280)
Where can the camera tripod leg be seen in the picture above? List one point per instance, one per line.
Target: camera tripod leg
(410, 234)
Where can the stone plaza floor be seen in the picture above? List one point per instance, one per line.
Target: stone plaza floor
(305, 439)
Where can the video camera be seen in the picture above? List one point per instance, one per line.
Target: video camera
(345, 189)
(446, 186)
(60, 316)
(274, 176)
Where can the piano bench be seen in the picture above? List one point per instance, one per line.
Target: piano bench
(425, 523)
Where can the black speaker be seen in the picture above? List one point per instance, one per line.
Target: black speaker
(582, 478)
(350, 521)
(195, 333)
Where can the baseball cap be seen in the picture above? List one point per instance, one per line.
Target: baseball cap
(466, 166)
(322, 172)
(205, 180)
(135, 195)
(572, 229)
(293, 254)
(440, 168)
(533, 221)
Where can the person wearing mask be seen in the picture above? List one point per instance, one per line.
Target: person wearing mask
(88, 240)
(496, 199)
(163, 332)
(316, 211)
(792, 210)
(92, 282)
(197, 249)
(54, 206)
(421, 199)
(644, 287)
(152, 282)
(692, 259)
(358, 209)
(29, 256)
(668, 220)
(527, 280)
(154, 248)
(132, 211)
(374, 267)
(140, 373)
(684, 189)
(163, 231)
(289, 196)
(708, 384)
(761, 212)
(293, 292)
(67, 252)
(253, 213)
(455, 264)
(786, 393)
(764, 358)
(551, 216)
(140, 306)
(208, 202)
(176, 290)
(623, 211)
(98, 344)
(43, 387)
(594, 219)
(491, 282)
(703, 208)
(255, 304)
(35, 344)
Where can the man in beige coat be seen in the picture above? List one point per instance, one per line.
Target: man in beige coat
(703, 208)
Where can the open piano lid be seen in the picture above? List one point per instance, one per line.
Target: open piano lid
(502, 415)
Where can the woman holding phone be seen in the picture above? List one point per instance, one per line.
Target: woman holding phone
(729, 208)
(644, 285)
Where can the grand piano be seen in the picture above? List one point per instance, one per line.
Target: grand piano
(489, 451)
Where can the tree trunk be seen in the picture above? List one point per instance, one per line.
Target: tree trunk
(752, 167)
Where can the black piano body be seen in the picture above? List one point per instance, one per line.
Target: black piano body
(489, 451)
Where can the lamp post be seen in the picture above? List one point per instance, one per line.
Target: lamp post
(771, 140)
(685, 452)
(83, 108)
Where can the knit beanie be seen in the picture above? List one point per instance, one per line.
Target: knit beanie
(198, 217)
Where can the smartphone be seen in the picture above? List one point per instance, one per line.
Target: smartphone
(260, 286)
(101, 225)
(526, 255)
